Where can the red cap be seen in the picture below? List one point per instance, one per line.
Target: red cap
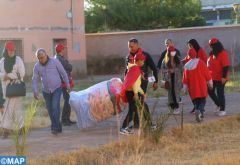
(9, 45)
(192, 53)
(59, 47)
(170, 48)
(139, 56)
(213, 41)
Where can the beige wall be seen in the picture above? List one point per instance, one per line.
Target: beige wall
(115, 44)
(37, 23)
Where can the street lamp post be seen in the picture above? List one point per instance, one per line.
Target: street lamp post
(236, 8)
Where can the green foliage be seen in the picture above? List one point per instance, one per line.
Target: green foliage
(107, 15)
(20, 135)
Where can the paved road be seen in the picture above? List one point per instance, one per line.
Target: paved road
(42, 143)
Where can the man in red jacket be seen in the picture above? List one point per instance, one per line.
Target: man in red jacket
(196, 79)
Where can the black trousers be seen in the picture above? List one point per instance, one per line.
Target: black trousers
(219, 97)
(66, 107)
(132, 112)
(174, 104)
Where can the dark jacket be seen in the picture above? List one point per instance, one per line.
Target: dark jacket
(159, 64)
(148, 63)
(66, 65)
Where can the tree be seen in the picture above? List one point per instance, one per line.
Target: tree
(109, 15)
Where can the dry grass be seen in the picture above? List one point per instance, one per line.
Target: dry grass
(215, 142)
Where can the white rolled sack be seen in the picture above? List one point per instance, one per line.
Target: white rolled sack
(97, 103)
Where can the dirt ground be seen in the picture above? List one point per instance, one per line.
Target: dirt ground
(41, 143)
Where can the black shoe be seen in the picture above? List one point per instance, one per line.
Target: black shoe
(66, 123)
(54, 132)
(72, 122)
(5, 134)
(193, 110)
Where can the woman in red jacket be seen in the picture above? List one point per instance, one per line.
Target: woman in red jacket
(201, 54)
(218, 64)
(196, 76)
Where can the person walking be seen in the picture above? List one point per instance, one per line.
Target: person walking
(132, 91)
(171, 70)
(66, 112)
(50, 71)
(134, 48)
(218, 64)
(168, 43)
(201, 54)
(11, 69)
(196, 79)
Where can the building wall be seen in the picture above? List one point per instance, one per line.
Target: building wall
(103, 49)
(38, 23)
(218, 2)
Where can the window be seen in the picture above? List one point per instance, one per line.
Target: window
(209, 15)
(225, 14)
(18, 44)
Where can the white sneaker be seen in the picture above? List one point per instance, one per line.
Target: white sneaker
(154, 126)
(126, 131)
(176, 111)
(216, 110)
(221, 113)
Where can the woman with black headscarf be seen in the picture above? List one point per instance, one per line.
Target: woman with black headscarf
(11, 68)
(218, 63)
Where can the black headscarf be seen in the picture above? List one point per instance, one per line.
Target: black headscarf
(8, 61)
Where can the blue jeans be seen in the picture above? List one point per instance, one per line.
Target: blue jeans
(199, 104)
(53, 106)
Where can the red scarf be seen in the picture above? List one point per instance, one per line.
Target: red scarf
(131, 57)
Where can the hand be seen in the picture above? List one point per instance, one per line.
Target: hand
(210, 85)
(145, 97)
(5, 78)
(224, 80)
(173, 53)
(184, 90)
(155, 86)
(68, 89)
(135, 97)
(36, 96)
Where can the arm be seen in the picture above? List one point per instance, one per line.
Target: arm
(203, 55)
(151, 64)
(137, 86)
(207, 75)
(161, 60)
(62, 73)
(20, 69)
(137, 89)
(35, 80)
(126, 65)
(2, 72)
(225, 64)
(185, 82)
(225, 71)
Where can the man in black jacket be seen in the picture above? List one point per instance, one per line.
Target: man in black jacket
(134, 48)
(168, 42)
(60, 50)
